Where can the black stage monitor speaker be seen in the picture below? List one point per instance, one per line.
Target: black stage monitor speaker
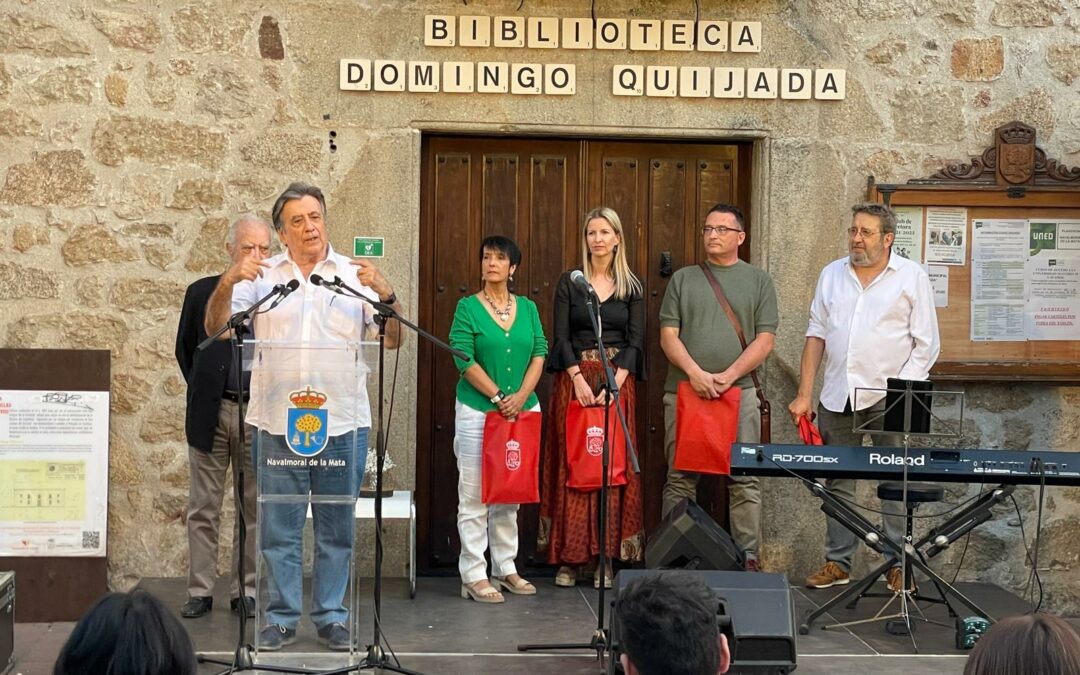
(756, 613)
(689, 539)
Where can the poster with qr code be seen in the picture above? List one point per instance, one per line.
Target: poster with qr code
(54, 459)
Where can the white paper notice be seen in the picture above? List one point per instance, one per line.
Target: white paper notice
(998, 251)
(1053, 273)
(909, 232)
(945, 239)
(998, 283)
(999, 240)
(54, 466)
(997, 301)
(939, 280)
(991, 321)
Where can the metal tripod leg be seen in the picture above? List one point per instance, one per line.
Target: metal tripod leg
(853, 593)
(866, 531)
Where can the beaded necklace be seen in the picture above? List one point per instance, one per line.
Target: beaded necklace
(503, 314)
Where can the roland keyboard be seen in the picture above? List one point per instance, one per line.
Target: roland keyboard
(924, 464)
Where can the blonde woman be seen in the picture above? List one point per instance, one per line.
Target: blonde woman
(568, 517)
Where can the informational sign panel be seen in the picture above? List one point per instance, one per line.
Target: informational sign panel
(54, 464)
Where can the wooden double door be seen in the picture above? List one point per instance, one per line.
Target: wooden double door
(536, 191)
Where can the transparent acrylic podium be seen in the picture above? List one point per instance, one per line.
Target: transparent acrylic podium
(308, 401)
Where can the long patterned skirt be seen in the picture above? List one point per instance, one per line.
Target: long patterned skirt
(569, 531)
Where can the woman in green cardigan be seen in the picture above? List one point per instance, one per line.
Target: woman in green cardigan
(504, 340)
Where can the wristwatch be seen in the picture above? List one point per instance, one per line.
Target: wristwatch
(497, 397)
(390, 300)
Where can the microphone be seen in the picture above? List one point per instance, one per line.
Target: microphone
(579, 280)
(326, 283)
(283, 290)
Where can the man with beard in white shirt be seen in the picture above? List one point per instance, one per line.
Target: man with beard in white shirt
(872, 318)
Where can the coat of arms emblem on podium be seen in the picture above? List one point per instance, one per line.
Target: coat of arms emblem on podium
(307, 423)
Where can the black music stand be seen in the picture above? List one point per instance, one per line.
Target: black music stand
(907, 411)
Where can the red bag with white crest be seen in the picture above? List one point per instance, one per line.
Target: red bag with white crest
(510, 469)
(585, 447)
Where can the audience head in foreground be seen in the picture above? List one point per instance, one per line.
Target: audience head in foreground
(667, 625)
(127, 634)
(1031, 644)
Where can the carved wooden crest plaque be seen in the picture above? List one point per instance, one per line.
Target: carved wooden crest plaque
(1016, 154)
(1013, 161)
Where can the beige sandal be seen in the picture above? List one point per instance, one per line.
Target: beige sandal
(566, 577)
(488, 595)
(522, 587)
(607, 577)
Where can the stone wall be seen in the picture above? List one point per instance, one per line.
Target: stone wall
(133, 133)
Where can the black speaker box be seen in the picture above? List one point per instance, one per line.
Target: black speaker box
(689, 539)
(756, 613)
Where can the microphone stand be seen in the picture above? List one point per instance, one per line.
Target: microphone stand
(376, 658)
(599, 641)
(237, 323)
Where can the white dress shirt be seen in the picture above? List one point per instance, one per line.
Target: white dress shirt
(325, 323)
(888, 329)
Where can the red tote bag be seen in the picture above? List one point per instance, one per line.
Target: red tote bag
(705, 430)
(585, 447)
(510, 472)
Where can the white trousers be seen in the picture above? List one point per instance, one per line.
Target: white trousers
(481, 526)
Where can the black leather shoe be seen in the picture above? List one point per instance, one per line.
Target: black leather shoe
(249, 601)
(196, 607)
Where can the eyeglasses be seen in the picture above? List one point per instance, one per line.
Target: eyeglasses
(865, 234)
(707, 230)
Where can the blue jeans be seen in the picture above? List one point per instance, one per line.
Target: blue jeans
(281, 527)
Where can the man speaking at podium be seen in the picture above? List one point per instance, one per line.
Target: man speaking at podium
(310, 315)
(872, 318)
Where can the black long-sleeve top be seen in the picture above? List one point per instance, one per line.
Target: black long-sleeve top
(622, 324)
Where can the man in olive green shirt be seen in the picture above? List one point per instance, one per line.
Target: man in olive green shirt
(702, 346)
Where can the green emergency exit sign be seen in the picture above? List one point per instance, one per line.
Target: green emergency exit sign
(368, 247)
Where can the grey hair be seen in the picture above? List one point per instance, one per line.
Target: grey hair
(248, 217)
(296, 190)
(883, 213)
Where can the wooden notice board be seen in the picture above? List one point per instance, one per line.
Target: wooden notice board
(1012, 180)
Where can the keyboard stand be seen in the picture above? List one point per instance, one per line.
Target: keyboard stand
(957, 526)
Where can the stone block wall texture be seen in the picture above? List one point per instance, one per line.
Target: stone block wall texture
(133, 133)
